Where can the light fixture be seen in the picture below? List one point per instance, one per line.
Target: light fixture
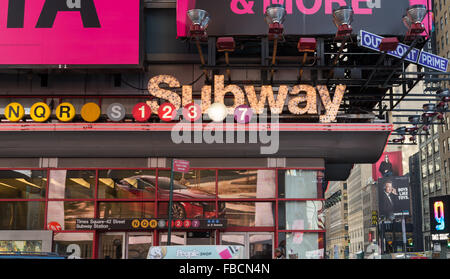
(226, 45)
(307, 45)
(414, 119)
(389, 44)
(444, 94)
(217, 112)
(416, 14)
(413, 18)
(429, 110)
(413, 139)
(275, 15)
(200, 20)
(343, 18)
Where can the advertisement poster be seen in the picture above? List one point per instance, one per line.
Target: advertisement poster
(389, 165)
(394, 197)
(246, 17)
(198, 252)
(83, 32)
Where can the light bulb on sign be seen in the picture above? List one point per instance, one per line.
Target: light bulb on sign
(217, 112)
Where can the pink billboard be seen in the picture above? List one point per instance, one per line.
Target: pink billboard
(69, 32)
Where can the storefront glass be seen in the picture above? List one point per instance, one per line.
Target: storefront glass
(20, 246)
(65, 213)
(197, 184)
(72, 184)
(298, 184)
(249, 214)
(246, 198)
(22, 215)
(23, 184)
(126, 184)
(73, 245)
(126, 210)
(298, 245)
(242, 184)
(307, 215)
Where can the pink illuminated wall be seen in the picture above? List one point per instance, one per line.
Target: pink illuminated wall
(116, 41)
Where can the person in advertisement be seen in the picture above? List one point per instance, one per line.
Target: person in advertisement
(388, 200)
(386, 167)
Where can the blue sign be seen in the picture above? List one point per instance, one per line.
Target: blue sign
(426, 59)
(372, 41)
(432, 61)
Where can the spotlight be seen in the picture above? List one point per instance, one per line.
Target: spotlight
(200, 20)
(414, 119)
(413, 21)
(401, 130)
(444, 94)
(307, 45)
(429, 110)
(416, 15)
(275, 15)
(225, 44)
(342, 18)
(389, 44)
(399, 140)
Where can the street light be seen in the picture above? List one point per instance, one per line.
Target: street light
(415, 14)
(200, 20)
(275, 15)
(343, 18)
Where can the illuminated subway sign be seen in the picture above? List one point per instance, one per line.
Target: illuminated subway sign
(301, 99)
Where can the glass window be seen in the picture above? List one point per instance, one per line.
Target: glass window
(423, 154)
(23, 184)
(126, 210)
(126, 184)
(430, 167)
(431, 185)
(65, 213)
(189, 210)
(445, 166)
(176, 238)
(430, 150)
(437, 163)
(197, 184)
(22, 215)
(298, 184)
(232, 239)
(72, 184)
(302, 245)
(246, 184)
(138, 245)
(249, 214)
(73, 245)
(301, 215)
(260, 246)
(425, 188)
(436, 145)
(438, 184)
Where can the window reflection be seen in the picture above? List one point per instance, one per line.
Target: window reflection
(301, 245)
(126, 184)
(260, 246)
(72, 184)
(197, 184)
(246, 183)
(298, 184)
(189, 210)
(22, 215)
(20, 246)
(73, 245)
(249, 214)
(126, 210)
(22, 184)
(307, 215)
(65, 213)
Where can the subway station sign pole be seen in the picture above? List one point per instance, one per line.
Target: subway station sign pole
(176, 166)
(170, 204)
